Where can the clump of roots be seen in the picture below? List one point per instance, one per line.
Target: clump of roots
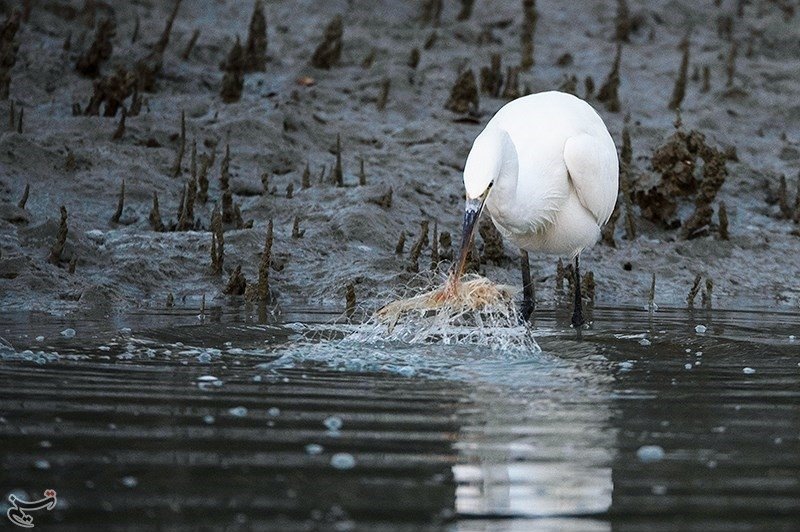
(453, 300)
(472, 310)
(678, 161)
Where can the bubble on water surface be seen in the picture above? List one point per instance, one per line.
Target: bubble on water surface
(238, 411)
(343, 461)
(650, 453)
(333, 423)
(313, 449)
(700, 329)
(68, 333)
(206, 382)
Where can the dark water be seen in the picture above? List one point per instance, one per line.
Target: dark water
(424, 437)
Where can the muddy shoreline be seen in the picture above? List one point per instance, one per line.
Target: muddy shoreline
(412, 148)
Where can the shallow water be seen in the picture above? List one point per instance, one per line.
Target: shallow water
(229, 422)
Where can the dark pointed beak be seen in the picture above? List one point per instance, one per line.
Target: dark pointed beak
(472, 211)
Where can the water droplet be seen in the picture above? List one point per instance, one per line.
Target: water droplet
(313, 449)
(238, 411)
(333, 423)
(40, 338)
(130, 481)
(208, 420)
(208, 381)
(700, 329)
(650, 453)
(748, 371)
(42, 464)
(274, 411)
(68, 333)
(343, 461)
(687, 366)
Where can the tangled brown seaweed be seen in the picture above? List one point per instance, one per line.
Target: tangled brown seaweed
(463, 311)
(453, 300)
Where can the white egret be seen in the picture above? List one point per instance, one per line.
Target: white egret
(546, 169)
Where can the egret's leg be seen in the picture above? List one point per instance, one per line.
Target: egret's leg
(528, 301)
(577, 313)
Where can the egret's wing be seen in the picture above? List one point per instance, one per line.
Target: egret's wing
(594, 169)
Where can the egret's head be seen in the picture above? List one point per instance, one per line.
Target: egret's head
(484, 162)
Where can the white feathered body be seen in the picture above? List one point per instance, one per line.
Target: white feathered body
(556, 172)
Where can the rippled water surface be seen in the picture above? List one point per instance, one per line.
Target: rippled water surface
(670, 421)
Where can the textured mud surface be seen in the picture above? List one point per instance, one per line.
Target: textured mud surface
(387, 104)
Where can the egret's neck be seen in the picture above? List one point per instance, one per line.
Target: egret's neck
(509, 170)
(504, 190)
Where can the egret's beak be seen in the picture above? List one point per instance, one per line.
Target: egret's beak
(472, 211)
